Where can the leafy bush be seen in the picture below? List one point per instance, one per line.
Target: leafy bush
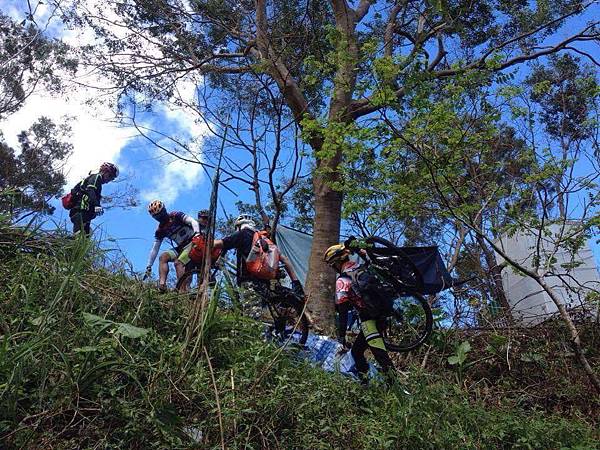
(91, 358)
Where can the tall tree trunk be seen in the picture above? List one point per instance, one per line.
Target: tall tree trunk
(320, 284)
(328, 203)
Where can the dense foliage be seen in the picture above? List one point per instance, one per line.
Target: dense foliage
(93, 358)
(34, 172)
(336, 68)
(30, 61)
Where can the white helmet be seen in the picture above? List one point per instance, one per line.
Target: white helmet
(244, 221)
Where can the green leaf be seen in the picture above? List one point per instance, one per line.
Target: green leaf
(130, 331)
(37, 321)
(86, 349)
(124, 329)
(453, 360)
(94, 320)
(464, 347)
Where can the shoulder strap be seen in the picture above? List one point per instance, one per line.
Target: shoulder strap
(355, 272)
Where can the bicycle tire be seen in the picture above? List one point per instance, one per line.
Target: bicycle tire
(186, 276)
(410, 325)
(282, 319)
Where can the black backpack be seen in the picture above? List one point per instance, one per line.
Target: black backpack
(72, 198)
(377, 293)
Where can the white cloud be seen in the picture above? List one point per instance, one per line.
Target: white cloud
(177, 176)
(95, 138)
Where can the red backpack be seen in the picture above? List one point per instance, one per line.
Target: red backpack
(197, 250)
(263, 260)
(68, 201)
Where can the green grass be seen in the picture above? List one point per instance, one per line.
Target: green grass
(91, 358)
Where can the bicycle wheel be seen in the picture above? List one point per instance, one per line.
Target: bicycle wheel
(390, 260)
(190, 281)
(288, 317)
(410, 324)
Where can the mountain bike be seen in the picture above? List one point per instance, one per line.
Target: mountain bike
(410, 322)
(285, 308)
(287, 312)
(191, 279)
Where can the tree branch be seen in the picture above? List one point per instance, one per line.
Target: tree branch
(364, 106)
(362, 10)
(388, 36)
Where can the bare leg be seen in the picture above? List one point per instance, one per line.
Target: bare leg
(179, 268)
(163, 268)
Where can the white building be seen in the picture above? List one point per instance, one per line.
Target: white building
(530, 304)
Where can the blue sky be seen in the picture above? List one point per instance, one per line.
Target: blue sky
(97, 138)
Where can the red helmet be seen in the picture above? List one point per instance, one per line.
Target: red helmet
(110, 169)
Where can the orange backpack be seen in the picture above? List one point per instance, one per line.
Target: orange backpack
(263, 260)
(197, 250)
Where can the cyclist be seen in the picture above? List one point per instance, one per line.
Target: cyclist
(87, 195)
(242, 241)
(346, 297)
(179, 228)
(203, 219)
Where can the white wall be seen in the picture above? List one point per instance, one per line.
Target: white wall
(530, 305)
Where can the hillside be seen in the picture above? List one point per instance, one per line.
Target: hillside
(92, 358)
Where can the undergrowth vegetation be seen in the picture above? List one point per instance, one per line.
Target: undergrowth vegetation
(93, 358)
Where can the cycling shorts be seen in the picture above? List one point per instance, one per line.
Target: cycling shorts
(183, 256)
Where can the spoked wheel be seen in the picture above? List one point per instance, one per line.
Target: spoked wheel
(288, 317)
(190, 281)
(410, 324)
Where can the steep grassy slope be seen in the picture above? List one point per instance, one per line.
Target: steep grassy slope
(91, 358)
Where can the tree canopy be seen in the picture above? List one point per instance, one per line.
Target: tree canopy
(337, 65)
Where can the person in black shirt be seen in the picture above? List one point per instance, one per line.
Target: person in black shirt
(88, 194)
(203, 219)
(241, 241)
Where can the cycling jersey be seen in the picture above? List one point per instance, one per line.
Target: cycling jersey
(88, 193)
(370, 336)
(179, 228)
(343, 287)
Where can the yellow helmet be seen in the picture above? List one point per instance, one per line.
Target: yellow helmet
(335, 253)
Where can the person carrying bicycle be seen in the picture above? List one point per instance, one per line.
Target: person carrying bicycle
(179, 228)
(87, 195)
(346, 297)
(243, 240)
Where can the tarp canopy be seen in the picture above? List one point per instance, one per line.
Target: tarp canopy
(429, 263)
(296, 245)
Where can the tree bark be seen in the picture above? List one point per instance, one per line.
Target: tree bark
(320, 283)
